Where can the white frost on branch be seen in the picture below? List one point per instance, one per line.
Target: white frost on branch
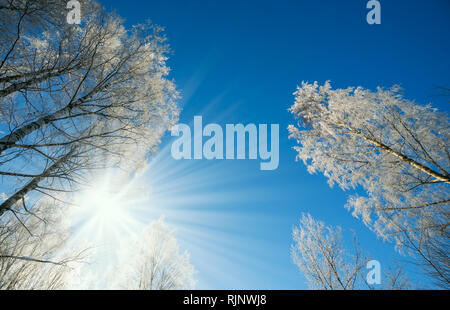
(152, 261)
(321, 256)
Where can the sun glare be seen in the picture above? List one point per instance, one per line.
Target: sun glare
(105, 211)
(105, 206)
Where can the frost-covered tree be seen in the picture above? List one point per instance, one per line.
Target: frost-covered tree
(76, 98)
(319, 253)
(33, 249)
(395, 150)
(321, 256)
(153, 262)
(396, 279)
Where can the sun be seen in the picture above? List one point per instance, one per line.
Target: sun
(105, 211)
(105, 206)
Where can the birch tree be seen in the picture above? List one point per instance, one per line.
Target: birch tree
(33, 249)
(393, 149)
(76, 98)
(321, 256)
(154, 262)
(396, 279)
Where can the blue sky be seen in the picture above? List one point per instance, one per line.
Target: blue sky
(239, 62)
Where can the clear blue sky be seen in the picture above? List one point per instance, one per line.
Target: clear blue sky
(239, 61)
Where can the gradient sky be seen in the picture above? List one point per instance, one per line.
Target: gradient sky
(239, 61)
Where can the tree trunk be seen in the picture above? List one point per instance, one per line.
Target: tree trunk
(15, 87)
(10, 140)
(438, 176)
(32, 185)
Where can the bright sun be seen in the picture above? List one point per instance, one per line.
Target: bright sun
(104, 206)
(104, 210)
